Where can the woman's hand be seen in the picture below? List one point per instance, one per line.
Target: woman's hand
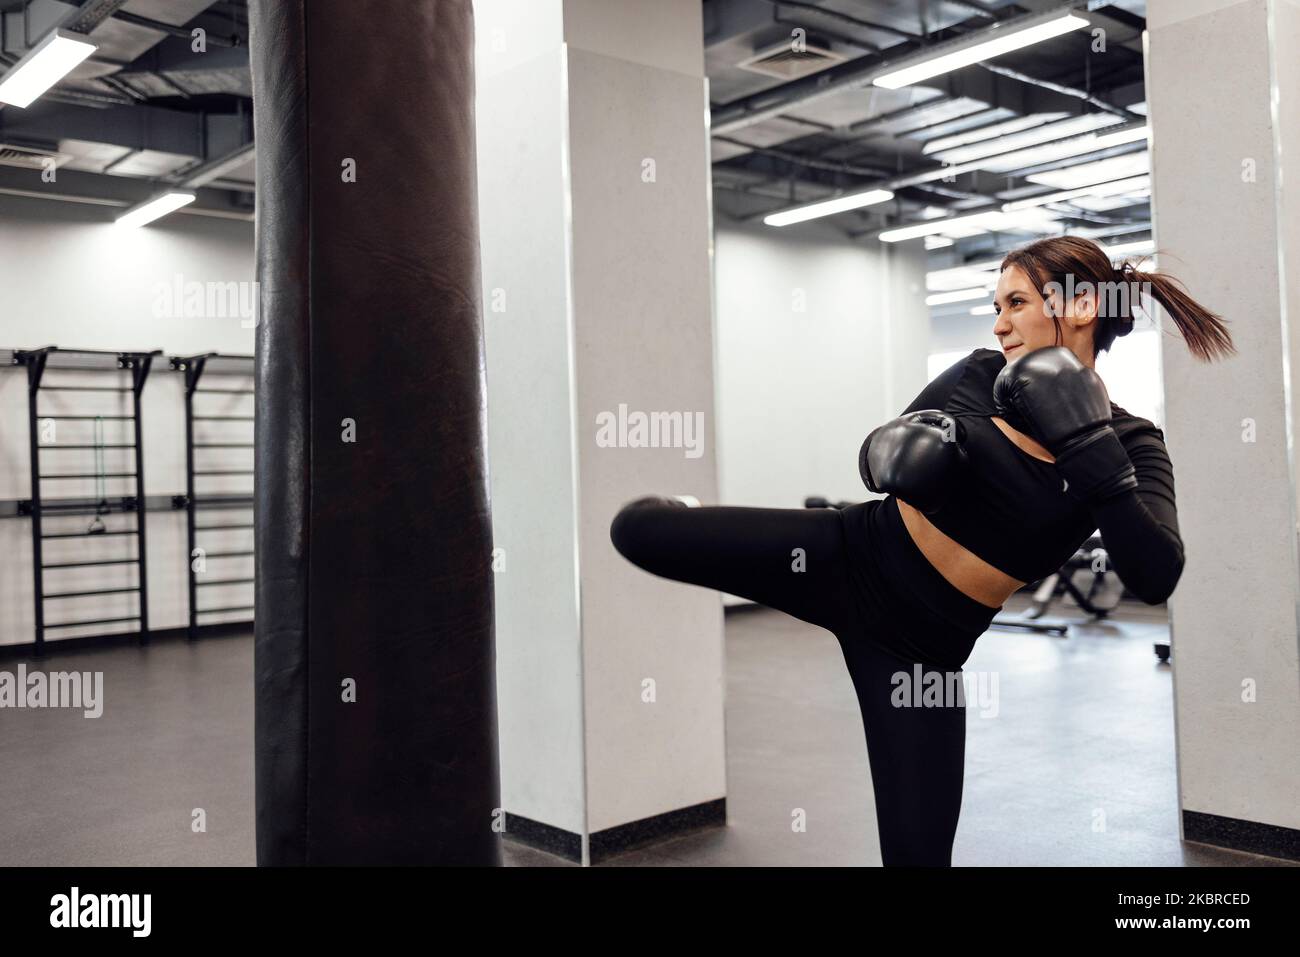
(918, 457)
(1063, 404)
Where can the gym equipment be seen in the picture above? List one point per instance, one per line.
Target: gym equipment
(50, 358)
(817, 501)
(375, 723)
(1090, 556)
(194, 367)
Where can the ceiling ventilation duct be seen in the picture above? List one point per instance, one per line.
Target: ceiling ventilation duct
(30, 157)
(786, 62)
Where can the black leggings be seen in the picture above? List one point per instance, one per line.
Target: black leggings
(857, 573)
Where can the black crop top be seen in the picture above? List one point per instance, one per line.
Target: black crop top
(1012, 511)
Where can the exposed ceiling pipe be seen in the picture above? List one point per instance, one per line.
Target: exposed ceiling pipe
(861, 126)
(215, 169)
(120, 203)
(213, 39)
(123, 87)
(976, 8)
(168, 81)
(845, 18)
(746, 112)
(99, 101)
(829, 166)
(233, 186)
(61, 197)
(91, 14)
(1059, 88)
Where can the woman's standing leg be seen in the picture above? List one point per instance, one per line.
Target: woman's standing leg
(917, 754)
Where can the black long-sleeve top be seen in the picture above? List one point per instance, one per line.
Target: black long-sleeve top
(1011, 509)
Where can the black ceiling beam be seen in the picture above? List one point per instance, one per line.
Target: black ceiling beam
(134, 127)
(113, 193)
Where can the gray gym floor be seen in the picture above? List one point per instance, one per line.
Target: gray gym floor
(1083, 734)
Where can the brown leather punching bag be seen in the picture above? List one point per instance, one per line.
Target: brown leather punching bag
(376, 729)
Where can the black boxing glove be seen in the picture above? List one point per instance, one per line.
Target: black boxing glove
(1060, 402)
(919, 457)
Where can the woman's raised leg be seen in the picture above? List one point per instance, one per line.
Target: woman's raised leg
(794, 560)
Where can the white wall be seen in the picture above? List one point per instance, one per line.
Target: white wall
(68, 277)
(819, 340)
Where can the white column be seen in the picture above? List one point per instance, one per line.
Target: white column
(595, 235)
(1224, 98)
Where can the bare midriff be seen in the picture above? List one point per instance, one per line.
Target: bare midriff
(960, 567)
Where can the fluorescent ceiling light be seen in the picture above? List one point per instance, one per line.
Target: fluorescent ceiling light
(943, 280)
(938, 226)
(1034, 155)
(987, 221)
(965, 232)
(939, 172)
(829, 207)
(1075, 126)
(154, 208)
(1061, 149)
(1100, 171)
(937, 242)
(1144, 247)
(1119, 137)
(44, 65)
(998, 45)
(1114, 187)
(959, 295)
(981, 133)
(985, 310)
(984, 273)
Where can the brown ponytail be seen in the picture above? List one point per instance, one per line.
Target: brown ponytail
(1203, 331)
(1071, 261)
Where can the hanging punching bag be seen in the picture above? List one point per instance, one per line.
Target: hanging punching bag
(376, 739)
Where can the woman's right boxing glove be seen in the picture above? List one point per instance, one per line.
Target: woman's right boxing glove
(919, 457)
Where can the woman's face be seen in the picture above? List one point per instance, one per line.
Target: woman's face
(1025, 321)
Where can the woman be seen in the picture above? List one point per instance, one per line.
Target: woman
(994, 476)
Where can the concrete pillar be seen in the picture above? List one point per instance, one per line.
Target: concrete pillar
(594, 214)
(1223, 90)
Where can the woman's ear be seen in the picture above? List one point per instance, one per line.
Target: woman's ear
(1084, 308)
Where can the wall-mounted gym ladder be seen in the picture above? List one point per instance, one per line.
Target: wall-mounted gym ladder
(216, 438)
(44, 430)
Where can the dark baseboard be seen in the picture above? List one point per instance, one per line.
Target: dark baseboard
(651, 830)
(1253, 837)
(87, 642)
(610, 842)
(544, 837)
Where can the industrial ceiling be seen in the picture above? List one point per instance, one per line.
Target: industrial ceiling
(797, 116)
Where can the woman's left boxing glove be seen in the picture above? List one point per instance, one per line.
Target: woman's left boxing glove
(920, 457)
(1063, 404)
